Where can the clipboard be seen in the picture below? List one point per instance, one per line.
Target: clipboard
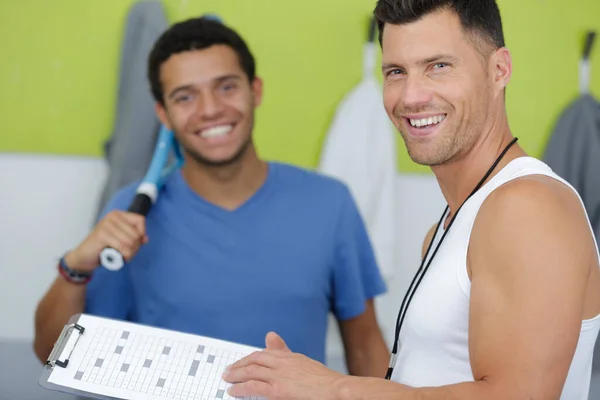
(108, 359)
(59, 357)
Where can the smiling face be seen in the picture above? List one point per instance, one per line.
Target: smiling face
(438, 87)
(209, 104)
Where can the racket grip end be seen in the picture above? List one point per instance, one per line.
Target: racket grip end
(111, 259)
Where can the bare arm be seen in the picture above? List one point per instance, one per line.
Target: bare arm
(63, 300)
(530, 257)
(120, 230)
(366, 351)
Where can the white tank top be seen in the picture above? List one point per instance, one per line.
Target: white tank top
(434, 341)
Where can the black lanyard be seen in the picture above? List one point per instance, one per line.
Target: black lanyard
(422, 271)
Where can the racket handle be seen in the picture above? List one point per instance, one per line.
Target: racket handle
(141, 204)
(112, 259)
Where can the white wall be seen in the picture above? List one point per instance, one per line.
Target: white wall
(420, 205)
(48, 203)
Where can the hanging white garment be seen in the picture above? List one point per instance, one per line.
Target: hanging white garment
(360, 150)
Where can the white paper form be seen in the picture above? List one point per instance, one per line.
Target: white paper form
(131, 361)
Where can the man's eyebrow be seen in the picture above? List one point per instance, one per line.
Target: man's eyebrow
(227, 77)
(390, 66)
(179, 89)
(216, 80)
(438, 57)
(425, 61)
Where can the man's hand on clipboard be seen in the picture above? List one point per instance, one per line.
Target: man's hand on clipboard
(276, 373)
(124, 231)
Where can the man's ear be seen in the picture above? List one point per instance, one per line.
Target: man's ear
(257, 90)
(502, 68)
(161, 113)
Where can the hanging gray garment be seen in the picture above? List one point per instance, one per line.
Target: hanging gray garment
(573, 152)
(129, 150)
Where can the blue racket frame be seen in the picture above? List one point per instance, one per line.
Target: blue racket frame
(148, 190)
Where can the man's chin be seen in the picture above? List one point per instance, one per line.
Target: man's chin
(420, 155)
(223, 159)
(217, 161)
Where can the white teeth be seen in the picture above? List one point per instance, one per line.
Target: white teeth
(216, 131)
(427, 121)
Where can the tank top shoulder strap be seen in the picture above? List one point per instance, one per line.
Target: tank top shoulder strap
(523, 166)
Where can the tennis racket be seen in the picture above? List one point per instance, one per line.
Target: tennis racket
(148, 190)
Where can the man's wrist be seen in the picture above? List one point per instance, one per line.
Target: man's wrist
(357, 388)
(70, 259)
(342, 388)
(72, 275)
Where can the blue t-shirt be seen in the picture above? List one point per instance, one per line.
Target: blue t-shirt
(296, 250)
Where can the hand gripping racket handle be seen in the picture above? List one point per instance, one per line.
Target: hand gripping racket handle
(111, 258)
(147, 191)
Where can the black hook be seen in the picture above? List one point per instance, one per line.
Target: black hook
(589, 43)
(372, 30)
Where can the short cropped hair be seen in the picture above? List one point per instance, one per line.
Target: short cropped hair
(195, 34)
(479, 18)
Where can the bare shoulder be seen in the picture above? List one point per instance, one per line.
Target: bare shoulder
(539, 197)
(534, 216)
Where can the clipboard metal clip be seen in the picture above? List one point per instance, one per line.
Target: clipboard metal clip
(66, 341)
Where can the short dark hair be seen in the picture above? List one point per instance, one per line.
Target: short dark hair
(479, 17)
(195, 34)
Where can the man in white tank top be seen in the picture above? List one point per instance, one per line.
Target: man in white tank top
(506, 304)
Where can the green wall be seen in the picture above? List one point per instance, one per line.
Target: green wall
(60, 65)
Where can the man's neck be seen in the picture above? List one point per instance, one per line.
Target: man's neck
(458, 179)
(227, 186)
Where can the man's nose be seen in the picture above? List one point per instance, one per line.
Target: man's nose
(416, 92)
(210, 105)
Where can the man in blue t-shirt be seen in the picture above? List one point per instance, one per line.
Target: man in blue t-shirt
(235, 246)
